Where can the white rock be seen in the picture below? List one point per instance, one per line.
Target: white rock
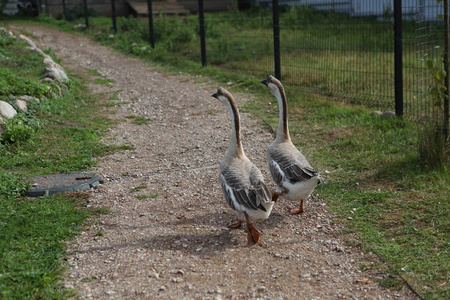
(6, 32)
(376, 113)
(6, 110)
(56, 74)
(28, 98)
(50, 63)
(388, 114)
(22, 105)
(153, 274)
(79, 26)
(27, 40)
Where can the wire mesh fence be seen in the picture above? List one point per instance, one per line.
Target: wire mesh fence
(344, 49)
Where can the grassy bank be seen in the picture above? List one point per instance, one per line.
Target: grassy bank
(59, 134)
(375, 181)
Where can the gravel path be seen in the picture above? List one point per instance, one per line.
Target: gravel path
(175, 243)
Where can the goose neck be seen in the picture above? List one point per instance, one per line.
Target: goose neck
(283, 130)
(235, 148)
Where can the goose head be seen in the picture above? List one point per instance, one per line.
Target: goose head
(227, 99)
(274, 85)
(223, 96)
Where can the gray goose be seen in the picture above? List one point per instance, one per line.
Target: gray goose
(290, 170)
(241, 181)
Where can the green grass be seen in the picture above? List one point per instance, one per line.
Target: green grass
(32, 235)
(60, 134)
(147, 196)
(372, 167)
(138, 120)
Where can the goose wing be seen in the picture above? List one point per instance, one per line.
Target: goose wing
(289, 165)
(244, 189)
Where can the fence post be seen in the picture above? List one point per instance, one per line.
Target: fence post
(64, 9)
(150, 23)
(276, 39)
(398, 56)
(86, 18)
(201, 20)
(113, 15)
(447, 76)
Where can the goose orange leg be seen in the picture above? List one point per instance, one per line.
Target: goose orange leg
(276, 195)
(252, 233)
(236, 224)
(299, 210)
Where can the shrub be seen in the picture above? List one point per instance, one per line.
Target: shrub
(12, 84)
(10, 186)
(20, 128)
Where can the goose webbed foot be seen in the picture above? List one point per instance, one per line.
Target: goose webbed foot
(275, 196)
(236, 224)
(298, 210)
(252, 235)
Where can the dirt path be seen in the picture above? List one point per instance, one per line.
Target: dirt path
(176, 244)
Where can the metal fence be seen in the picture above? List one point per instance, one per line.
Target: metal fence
(384, 54)
(369, 53)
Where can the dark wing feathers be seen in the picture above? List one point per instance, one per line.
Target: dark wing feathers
(248, 195)
(295, 168)
(295, 173)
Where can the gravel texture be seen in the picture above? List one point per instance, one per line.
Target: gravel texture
(174, 243)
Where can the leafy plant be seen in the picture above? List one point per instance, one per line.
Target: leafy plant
(434, 148)
(10, 186)
(20, 128)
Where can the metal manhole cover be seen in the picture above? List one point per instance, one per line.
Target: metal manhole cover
(46, 185)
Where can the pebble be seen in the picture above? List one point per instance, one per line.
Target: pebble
(153, 274)
(177, 280)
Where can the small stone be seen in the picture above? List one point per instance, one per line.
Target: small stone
(376, 113)
(153, 274)
(349, 218)
(388, 114)
(162, 288)
(338, 249)
(79, 26)
(261, 288)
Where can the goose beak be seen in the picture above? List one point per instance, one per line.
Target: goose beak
(264, 82)
(215, 95)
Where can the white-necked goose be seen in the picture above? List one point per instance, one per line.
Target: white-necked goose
(241, 181)
(290, 170)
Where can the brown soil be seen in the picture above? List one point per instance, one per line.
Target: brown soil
(174, 243)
